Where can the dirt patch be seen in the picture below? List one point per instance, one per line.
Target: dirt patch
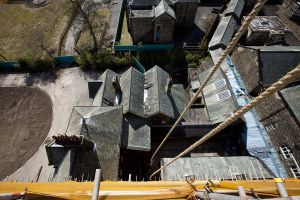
(25, 120)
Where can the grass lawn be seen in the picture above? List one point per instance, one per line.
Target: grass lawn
(23, 29)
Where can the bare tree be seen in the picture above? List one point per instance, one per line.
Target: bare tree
(87, 14)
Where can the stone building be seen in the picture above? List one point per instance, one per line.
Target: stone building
(292, 8)
(267, 30)
(263, 65)
(155, 21)
(281, 114)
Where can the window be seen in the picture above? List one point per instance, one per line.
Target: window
(224, 95)
(220, 83)
(295, 171)
(286, 151)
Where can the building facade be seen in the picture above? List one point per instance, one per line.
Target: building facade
(155, 21)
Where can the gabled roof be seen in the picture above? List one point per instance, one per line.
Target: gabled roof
(223, 34)
(106, 94)
(163, 8)
(144, 95)
(157, 97)
(235, 7)
(136, 134)
(132, 86)
(102, 126)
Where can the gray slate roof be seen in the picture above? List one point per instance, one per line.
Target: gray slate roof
(264, 65)
(64, 170)
(214, 168)
(103, 126)
(235, 7)
(144, 95)
(157, 100)
(136, 134)
(163, 8)
(106, 94)
(223, 34)
(132, 86)
(291, 96)
(218, 98)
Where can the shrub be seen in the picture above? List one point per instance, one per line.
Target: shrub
(103, 60)
(36, 65)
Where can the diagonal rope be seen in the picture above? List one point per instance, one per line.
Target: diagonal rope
(275, 87)
(227, 51)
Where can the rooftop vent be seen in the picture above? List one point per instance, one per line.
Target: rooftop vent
(220, 83)
(224, 95)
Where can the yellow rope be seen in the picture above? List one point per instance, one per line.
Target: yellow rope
(227, 51)
(275, 87)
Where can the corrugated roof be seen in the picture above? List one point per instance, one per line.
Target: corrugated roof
(214, 168)
(163, 8)
(102, 126)
(291, 96)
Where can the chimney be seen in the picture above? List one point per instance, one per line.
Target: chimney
(116, 83)
(168, 85)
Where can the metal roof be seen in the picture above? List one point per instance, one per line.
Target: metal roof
(218, 97)
(291, 96)
(223, 33)
(229, 168)
(163, 8)
(102, 126)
